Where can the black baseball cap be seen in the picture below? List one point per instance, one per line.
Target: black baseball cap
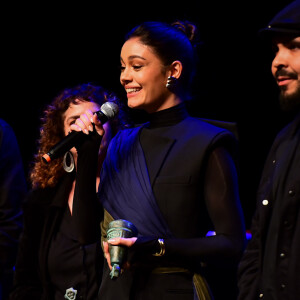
(286, 22)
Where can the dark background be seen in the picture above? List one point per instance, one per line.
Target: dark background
(46, 48)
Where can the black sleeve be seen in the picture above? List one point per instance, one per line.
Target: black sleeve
(27, 282)
(12, 192)
(224, 208)
(223, 205)
(248, 271)
(87, 210)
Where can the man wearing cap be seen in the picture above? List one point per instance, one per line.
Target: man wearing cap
(270, 266)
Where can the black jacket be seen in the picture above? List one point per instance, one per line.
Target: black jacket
(279, 188)
(12, 193)
(176, 157)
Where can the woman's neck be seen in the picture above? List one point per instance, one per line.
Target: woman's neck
(170, 101)
(168, 117)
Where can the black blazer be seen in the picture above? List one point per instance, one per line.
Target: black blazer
(176, 166)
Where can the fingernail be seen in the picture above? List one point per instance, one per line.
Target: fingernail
(85, 131)
(90, 128)
(111, 240)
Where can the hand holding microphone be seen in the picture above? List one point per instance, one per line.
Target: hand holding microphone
(108, 111)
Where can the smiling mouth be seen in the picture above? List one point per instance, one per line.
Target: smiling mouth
(284, 77)
(132, 90)
(283, 80)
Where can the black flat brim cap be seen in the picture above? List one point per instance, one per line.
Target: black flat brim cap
(286, 22)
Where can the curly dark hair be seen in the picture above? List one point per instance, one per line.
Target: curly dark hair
(52, 129)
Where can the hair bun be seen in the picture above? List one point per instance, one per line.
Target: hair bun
(187, 28)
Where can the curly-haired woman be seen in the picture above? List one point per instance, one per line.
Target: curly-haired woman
(55, 259)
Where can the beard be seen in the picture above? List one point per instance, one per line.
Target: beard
(290, 102)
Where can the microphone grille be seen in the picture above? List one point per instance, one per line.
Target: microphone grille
(110, 109)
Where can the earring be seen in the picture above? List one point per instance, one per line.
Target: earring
(171, 82)
(68, 162)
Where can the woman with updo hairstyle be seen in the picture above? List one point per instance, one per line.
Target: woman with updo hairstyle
(178, 41)
(174, 178)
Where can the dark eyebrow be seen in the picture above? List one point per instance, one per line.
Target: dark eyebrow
(131, 57)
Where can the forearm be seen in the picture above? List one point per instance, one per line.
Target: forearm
(190, 253)
(87, 211)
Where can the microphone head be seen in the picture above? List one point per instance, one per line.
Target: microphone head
(110, 109)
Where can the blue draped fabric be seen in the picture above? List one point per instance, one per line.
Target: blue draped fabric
(125, 190)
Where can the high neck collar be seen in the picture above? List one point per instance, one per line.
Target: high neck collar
(168, 117)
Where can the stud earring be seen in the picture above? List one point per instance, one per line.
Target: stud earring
(171, 82)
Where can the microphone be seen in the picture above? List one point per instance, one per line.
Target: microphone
(107, 111)
(118, 253)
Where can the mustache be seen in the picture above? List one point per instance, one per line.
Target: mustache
(283, 72)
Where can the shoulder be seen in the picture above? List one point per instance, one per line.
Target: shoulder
(4, 125)
(209, 128)
(35, 208)
(213, 134)
(39, 199)
(290, 129)
(288, 132)
(7, 134)
(126, 133)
